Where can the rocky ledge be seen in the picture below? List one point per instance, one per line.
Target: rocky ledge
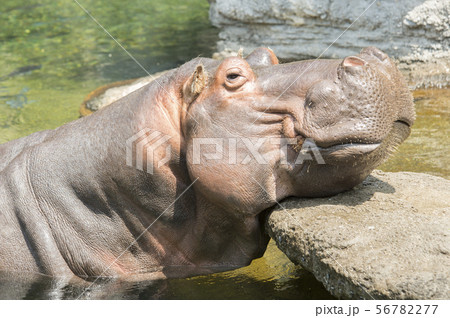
(388, 238)
(415, 32)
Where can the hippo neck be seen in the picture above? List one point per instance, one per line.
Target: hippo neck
(174, 225)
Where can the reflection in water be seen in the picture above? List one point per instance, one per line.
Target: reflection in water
(270, 277)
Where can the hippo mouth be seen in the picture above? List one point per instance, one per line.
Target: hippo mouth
(344, 150)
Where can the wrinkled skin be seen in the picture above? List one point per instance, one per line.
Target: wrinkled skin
(70, 204)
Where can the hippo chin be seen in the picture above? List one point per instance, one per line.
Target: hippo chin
(174, 178)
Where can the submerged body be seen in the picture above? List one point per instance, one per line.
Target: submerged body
(99, 197)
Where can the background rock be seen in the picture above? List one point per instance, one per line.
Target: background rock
(107, 94)
(415, 32)
(388, 238)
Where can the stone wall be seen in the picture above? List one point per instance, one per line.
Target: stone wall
(414, 32)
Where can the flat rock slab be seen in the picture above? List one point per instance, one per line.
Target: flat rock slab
(388, 238)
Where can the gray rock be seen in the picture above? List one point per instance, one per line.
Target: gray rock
(415, 32)
(388, 238)
(112, 93)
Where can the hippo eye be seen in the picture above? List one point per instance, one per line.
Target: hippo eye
(232, 76)
(235, 78)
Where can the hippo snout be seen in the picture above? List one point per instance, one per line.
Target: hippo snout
(361, 104)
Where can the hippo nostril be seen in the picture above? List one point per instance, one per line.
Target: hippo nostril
(404, 121)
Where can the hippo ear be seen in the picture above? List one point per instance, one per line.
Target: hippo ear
(262, 57)
(195, 84)
(353, 64)
(371, 50)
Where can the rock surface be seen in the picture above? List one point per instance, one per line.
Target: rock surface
(415, 32)
(109, 93)
(388, 238)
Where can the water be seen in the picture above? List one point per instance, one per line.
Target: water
(270, 277)
(53, 55)
(427, 148)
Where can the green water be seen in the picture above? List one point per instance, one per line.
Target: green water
(73, 55)
(52, 55)
(427, 148)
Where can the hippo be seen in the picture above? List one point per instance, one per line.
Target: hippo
(176, 178)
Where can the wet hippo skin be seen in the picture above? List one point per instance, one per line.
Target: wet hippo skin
(73, 202)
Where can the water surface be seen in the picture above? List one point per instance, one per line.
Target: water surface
(52, 54)
(427, 148)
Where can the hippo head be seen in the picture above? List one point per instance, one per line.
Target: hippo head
(257, 131)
